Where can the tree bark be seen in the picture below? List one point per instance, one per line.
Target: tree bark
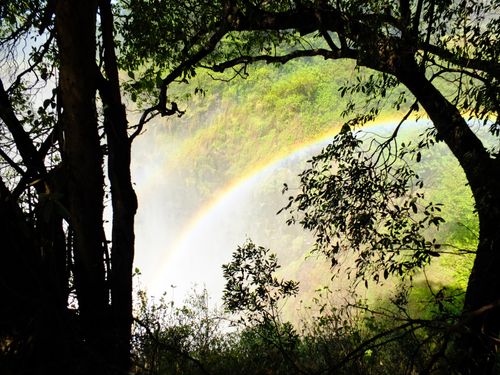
(82, 157)
(124, 201)
(478, 343)
(482, 299)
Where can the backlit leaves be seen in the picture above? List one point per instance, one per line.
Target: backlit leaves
(365, 201)
(251, 284)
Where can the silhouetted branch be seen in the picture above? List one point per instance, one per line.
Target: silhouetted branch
(23, 141)
(282, 59)
(38, 59)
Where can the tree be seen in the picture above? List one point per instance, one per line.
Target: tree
(256, 295)
(70, 297)
(417, 44)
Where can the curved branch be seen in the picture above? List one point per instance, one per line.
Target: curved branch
(283, 59)
(44, 49)
(180, 70)
(161, 106)
(143, 121)
(151, 113)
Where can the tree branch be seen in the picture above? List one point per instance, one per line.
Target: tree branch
(416, 18)
(490, 67)
(23, 142)
(373, 341)
(180, 70)
(282, 59)
(161, 106)
(43, 150)
(12, 163)
(39, 57)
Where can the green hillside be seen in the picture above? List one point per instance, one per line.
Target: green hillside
(239, 124)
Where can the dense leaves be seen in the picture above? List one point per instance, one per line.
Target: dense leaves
(251, 283)
(368, 202)
(385, 337)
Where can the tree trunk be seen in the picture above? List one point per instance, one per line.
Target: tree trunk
(482, 299)
(124, 201)
(478, 341)
(82, 157)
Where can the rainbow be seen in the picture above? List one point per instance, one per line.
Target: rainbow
(173, 268)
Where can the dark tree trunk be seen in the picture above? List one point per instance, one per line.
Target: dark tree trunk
(124, 200)
(478, 342)
(82, 157)
(106, 326)
(482, 299)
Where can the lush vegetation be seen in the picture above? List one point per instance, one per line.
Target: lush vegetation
(233, 126)
(401, 333)
(220, 149)
(66, 152)
(397, 327)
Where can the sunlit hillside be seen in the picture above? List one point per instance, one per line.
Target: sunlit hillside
(235, 130)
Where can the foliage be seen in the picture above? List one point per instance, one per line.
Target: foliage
(406, 42)
(62, 124)
(167, 338)
(366, 202)
(346, 338)
(58, 252)
(251, 285)
(255, 294)
(275, 110)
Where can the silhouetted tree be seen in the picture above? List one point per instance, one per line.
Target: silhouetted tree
(69, 296)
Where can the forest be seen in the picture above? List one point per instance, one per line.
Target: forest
(389, 260)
